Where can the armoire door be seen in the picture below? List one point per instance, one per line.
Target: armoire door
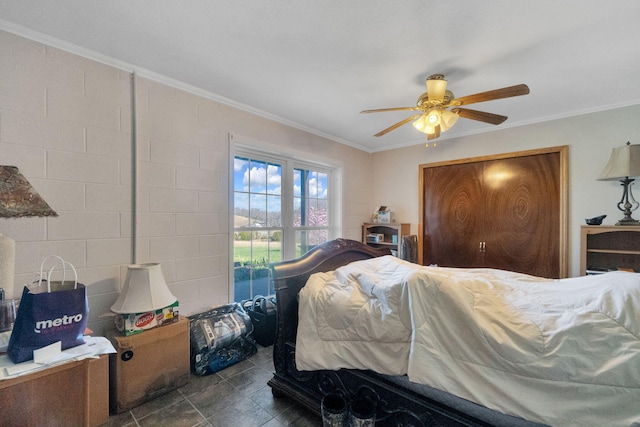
(521, 214)
(453, 223)
(504, 211)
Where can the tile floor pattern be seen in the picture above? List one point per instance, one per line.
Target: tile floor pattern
(235, 397)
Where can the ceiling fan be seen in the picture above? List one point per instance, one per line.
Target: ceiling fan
(439, 110)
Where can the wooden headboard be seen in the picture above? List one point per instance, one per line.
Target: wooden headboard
(290, 276)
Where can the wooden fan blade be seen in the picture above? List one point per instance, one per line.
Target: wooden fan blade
(382, 110)
(434, 135)
(481, 116)
(506, 92)
(397, 125)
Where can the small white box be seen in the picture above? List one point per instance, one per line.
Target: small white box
(384, 217)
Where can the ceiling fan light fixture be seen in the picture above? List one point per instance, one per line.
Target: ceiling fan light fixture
(449, 119)
(421, 123)
(428, 122)
(436, 87)
(434, 118)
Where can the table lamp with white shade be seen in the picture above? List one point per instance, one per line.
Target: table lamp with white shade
(144, 290)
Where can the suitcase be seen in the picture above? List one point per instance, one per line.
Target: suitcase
(263, 313)
(220, 337)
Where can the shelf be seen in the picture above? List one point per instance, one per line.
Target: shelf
(609, 248)
(613, 251)
(389, 231)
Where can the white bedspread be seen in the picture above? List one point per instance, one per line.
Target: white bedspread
(561, 352)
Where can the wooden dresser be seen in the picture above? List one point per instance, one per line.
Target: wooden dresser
(71, 394)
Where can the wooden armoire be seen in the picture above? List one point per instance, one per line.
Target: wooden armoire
(506, 211)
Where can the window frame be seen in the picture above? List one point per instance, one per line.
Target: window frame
(289, 161)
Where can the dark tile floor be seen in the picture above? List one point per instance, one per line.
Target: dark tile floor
(235, 397)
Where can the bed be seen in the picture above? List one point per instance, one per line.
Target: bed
(491, 348)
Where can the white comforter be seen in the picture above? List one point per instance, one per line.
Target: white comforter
(561, 352)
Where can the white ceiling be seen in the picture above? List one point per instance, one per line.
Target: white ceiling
(315, 64)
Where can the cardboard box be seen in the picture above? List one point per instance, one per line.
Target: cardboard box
(70, 394)
(134, 323)
(148, 364)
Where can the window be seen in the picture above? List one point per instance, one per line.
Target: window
(282, 208)
(311, 222)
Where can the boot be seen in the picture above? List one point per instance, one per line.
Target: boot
(334, 411)
(362, 412)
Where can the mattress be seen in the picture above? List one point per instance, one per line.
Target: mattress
(560, 352)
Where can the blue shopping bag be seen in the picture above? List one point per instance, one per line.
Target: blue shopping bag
(49, 312)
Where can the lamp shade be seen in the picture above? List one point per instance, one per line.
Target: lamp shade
(18, 198)
(422, 124)
(624, 162)
(436, 88)
(433, 118)
(144, 290)
(449, 119)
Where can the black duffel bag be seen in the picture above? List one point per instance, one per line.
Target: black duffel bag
(263, 313)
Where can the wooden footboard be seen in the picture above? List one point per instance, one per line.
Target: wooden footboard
(396, 405)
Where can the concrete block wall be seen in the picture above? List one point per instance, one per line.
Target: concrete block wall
(66, 122)
(182, 202)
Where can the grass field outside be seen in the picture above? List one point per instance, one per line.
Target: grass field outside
(245, 251)
(251, 267)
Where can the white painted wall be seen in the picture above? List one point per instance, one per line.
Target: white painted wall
(590, 138)
(65, 121)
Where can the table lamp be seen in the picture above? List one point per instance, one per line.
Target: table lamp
(144, 290)
(624, 164)
(17, 199)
